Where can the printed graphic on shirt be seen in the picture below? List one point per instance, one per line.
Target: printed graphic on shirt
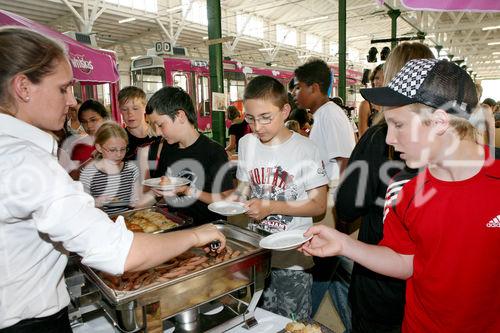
(273, 183)
(391, 196)
(494, 222)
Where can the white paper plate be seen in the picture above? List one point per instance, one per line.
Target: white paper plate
(174, 182)
(227, 208)
(284, 241)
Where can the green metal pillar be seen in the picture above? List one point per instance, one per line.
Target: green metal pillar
(216, 67)
(394, 14)
(342, 50)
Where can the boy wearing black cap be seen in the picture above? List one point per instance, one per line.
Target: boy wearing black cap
(442, 232)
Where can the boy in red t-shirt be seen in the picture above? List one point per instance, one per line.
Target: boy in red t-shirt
(443, 231)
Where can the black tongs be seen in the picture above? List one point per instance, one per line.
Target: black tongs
(213, 247)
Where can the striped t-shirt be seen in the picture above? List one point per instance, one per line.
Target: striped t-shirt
(119, 187)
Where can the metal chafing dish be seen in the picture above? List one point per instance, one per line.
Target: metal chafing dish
(179, 219)
(146, 308)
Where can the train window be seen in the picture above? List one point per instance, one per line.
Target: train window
(181, 80)
(149, 79)
(236, 90)
(203, 96)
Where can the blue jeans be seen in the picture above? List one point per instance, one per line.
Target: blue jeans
(334, 275)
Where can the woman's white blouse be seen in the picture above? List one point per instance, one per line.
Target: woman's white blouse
(43, 215)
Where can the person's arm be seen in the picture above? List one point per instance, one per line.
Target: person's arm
(342, 163)
(232, 143)
(207, 197)
(143, 164)
(363, 114)
(145, 196)
(149, 250)
(314, 205)
(380, 259)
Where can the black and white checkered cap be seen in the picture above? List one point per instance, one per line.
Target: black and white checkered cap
(409, 79)
(435, 83)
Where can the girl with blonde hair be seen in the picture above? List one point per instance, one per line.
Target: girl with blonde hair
(113, 182)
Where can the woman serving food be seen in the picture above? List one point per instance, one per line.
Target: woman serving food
(43, 212)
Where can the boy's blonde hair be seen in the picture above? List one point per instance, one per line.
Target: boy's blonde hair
(463, 128)
(106, 131)
(131, 92)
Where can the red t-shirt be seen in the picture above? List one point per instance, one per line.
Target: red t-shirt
(453, 231)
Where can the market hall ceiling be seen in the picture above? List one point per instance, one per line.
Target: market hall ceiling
(461, 34)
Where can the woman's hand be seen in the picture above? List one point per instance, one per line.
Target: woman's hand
(208, 233)
(326, 242)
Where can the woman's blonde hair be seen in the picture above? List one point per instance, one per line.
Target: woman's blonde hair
(403, 53)
(293, 125)
(398, 57)
(26, 52)
(106, 131)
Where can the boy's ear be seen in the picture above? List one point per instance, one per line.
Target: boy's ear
(315, 88)
(181, 115)
(440, 121)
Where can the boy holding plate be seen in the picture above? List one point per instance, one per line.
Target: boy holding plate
(186, 153)
(283, 176)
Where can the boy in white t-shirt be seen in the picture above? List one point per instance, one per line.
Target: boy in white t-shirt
(332, 132)
(284, 178)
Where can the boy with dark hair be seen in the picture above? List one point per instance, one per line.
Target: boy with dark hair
(282, 174)
(186, 153)
(132, 104)
(446, 208)
(333, 133)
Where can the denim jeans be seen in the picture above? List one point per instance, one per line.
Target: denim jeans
(335, 276)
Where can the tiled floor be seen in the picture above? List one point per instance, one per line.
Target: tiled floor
(327, 315)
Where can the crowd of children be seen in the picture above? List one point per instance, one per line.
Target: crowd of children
(288, 172)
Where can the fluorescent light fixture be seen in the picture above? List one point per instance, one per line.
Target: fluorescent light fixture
(494, 43)
(314, 19)
(129, 19)
(491, 28)
(356, 38)
(173, 9)
(496, 53)
(430, 36)
(266, 49)
(205, 37)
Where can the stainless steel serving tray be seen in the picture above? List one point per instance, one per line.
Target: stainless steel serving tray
(241, 267)
(182, 221)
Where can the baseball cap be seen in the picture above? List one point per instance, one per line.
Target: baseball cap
(436, 83)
